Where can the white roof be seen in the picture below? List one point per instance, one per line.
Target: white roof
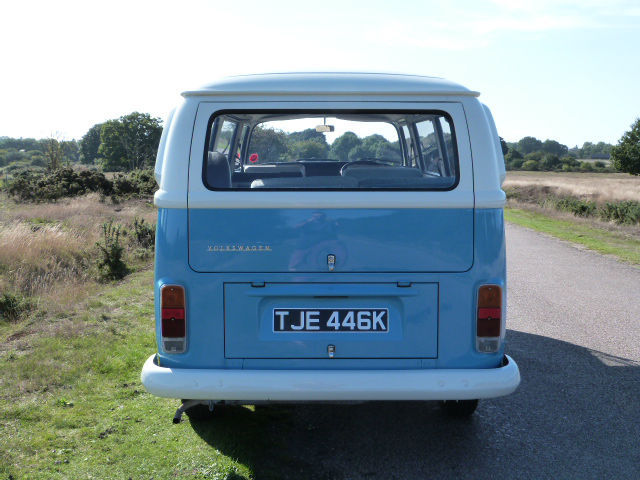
(331, 83)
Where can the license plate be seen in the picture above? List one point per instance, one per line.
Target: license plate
(330, 320)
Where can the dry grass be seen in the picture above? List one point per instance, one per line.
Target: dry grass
(600, 187)
(47, 251)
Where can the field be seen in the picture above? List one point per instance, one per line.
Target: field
(597, 210)
(72, 405)
(599, 186)
(49, 251)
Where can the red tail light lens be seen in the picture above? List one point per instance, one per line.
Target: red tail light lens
(489, 318)
(174, 328)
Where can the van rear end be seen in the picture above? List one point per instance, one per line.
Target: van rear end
(325, 249)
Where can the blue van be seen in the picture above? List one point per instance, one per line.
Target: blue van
(330, 237)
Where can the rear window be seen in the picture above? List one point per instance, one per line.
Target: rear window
(279, 150)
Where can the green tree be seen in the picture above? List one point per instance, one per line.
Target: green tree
(70, 151)
(528, 145)
(89, 144)
(312, 148)
(504, 146)
(550, 162)
(537, 156)
(307, 134)
(626, 154)
(554, 148)
(269, 144)
(130, 142)
(53, 153)
(342, 145)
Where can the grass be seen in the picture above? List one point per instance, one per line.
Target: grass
(73, 406)
(625, 247)
(597, 186)
(49, 249)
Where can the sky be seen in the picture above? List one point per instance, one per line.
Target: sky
(567, 70)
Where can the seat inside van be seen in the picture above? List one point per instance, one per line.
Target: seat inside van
(306, 182)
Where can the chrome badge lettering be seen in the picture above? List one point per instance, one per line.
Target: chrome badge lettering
(239, 248)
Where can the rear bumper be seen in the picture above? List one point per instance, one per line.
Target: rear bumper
(309, 385)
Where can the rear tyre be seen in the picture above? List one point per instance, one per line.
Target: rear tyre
(459, 408)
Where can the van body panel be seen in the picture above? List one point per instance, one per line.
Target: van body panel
(300, 240)
(206, 302)
(412, 320)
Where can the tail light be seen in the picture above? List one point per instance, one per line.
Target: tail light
(489, 319)
(174, 319)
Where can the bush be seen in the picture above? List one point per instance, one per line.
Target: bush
(144, 235)
(136, 182)
(537, 156)
(12, 306)
(530, 165)
(586, 167)
(111, 266)
(35, 186)
(580, 208)
(550, 162)
(625, 212)
(515, 164)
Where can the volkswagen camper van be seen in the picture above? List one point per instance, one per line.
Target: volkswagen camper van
(330, 237)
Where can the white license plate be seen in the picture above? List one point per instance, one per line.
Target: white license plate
(330, 320)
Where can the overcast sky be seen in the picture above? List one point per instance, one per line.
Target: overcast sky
(566, 70)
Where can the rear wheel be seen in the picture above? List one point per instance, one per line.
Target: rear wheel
(459, 408)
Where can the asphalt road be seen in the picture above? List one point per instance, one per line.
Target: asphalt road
(574, 330)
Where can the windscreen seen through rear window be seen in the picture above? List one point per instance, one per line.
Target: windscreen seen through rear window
(332, 151)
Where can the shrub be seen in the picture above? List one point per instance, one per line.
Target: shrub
(625, 212)
(35, 186)
(12, 306)
(550, 162)
(537, 156)
(515, 164)
(580, 208)
(111, 266)
(586, 167)
(136, 182)
(530, 165)
(144, 235)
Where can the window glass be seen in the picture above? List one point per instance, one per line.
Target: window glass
(238, 158)
(224, 137)
(334, 151)
(411, 151)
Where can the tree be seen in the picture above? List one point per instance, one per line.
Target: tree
(342, 145)
(626, 154)
(528, 145)
(530, 165)
(550, 162)
(70, 151)
(307, 134)
(269, 144)
(504, 146)
(130, 142)
(53, 153)
(89, 144)
(513, 154)
(312, 148)
(554, 148)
